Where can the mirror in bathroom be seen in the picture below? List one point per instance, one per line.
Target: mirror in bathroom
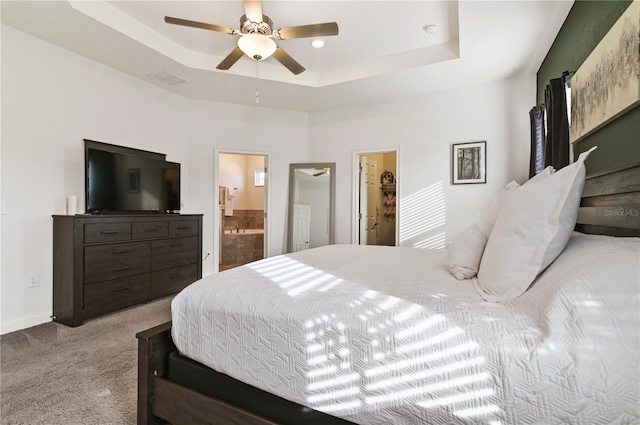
(311, 205)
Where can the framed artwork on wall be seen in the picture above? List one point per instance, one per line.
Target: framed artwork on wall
(469, 163)
(607, 84)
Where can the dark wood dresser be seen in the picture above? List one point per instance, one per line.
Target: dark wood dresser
(105, 263)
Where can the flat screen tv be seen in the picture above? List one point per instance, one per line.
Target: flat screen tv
(121, 183)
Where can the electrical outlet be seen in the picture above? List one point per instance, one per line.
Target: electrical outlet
(33, 280)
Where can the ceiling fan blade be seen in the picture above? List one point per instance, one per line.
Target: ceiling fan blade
(194, 24)
(314, 30)
(253, 10)
(230, 59)
(284, 58)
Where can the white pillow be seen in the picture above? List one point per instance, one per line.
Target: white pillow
(492, 213)
(531, 230)
(542, 174)
(465, 251)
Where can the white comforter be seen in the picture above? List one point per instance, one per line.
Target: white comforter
(381, 335)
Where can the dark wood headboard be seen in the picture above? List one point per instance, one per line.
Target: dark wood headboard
(611, 203)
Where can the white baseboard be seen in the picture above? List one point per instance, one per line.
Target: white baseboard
(23, 323)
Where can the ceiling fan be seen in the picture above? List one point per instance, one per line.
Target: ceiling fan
(256, 36)
(321, 172)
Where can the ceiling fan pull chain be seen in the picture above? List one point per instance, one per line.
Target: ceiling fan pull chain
(257, 95)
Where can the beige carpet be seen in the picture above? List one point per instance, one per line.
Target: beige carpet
(55, 375)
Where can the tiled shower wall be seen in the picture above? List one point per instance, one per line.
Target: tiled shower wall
(241, 248)
(244, 219)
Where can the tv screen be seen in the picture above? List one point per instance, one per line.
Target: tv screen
(127, 183)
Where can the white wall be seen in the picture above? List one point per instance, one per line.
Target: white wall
(233, 175)
(214, 127)
(423, 128)
(255, 194)
(53, 98)
(238, 171)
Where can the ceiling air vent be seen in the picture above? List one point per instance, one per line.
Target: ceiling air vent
(166, 77)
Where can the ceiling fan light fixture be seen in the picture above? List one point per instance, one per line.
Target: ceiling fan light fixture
(317, 43)
(257, 46)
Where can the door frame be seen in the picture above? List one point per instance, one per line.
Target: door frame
(216, 201)
(355, 190)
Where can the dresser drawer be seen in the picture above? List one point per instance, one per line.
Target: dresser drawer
(170, 281)
(166, 261)
(172, 246)
(132, 288)
(108, 271)
(150, 230)
(107, 232)
(183, 228)
(116, 252)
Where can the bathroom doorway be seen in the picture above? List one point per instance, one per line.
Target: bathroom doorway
(242, 186)
(375, 198)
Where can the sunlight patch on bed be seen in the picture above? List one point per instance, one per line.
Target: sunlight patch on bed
(334, 394)
(450, 400)
(403, 379)
(295, 276)
(478, 411)
(268, 264)
(448, 334)
(427, 358)
(427, 389)
(420, 327)
(407, 353)
(298, 279)
(384, 349)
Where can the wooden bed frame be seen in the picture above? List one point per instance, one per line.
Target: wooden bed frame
(610, 206)
(161, 401)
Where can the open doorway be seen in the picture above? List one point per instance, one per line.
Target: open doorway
(376, 209)
(242, 187)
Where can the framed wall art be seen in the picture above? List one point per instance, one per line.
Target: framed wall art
(607, 84)
(469, 163)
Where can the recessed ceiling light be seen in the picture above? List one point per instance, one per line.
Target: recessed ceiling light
(430, 28)
(317, 43)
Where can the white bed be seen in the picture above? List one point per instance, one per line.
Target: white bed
(382, 335)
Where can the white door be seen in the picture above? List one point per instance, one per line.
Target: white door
(369, 197)
(301, 226)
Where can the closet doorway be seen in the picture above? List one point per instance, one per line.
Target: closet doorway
(242, 205)
(375, 221)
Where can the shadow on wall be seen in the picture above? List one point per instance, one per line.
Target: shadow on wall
(423, 219)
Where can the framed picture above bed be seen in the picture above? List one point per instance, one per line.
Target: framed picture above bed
(469, 163)
(607, 84)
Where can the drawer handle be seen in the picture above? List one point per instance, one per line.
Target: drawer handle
(120, 289)
(121, 269)
(122, 251)
(109, 232)
(152, 229)
(175, 245)
(174, 276)
(184, 227)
